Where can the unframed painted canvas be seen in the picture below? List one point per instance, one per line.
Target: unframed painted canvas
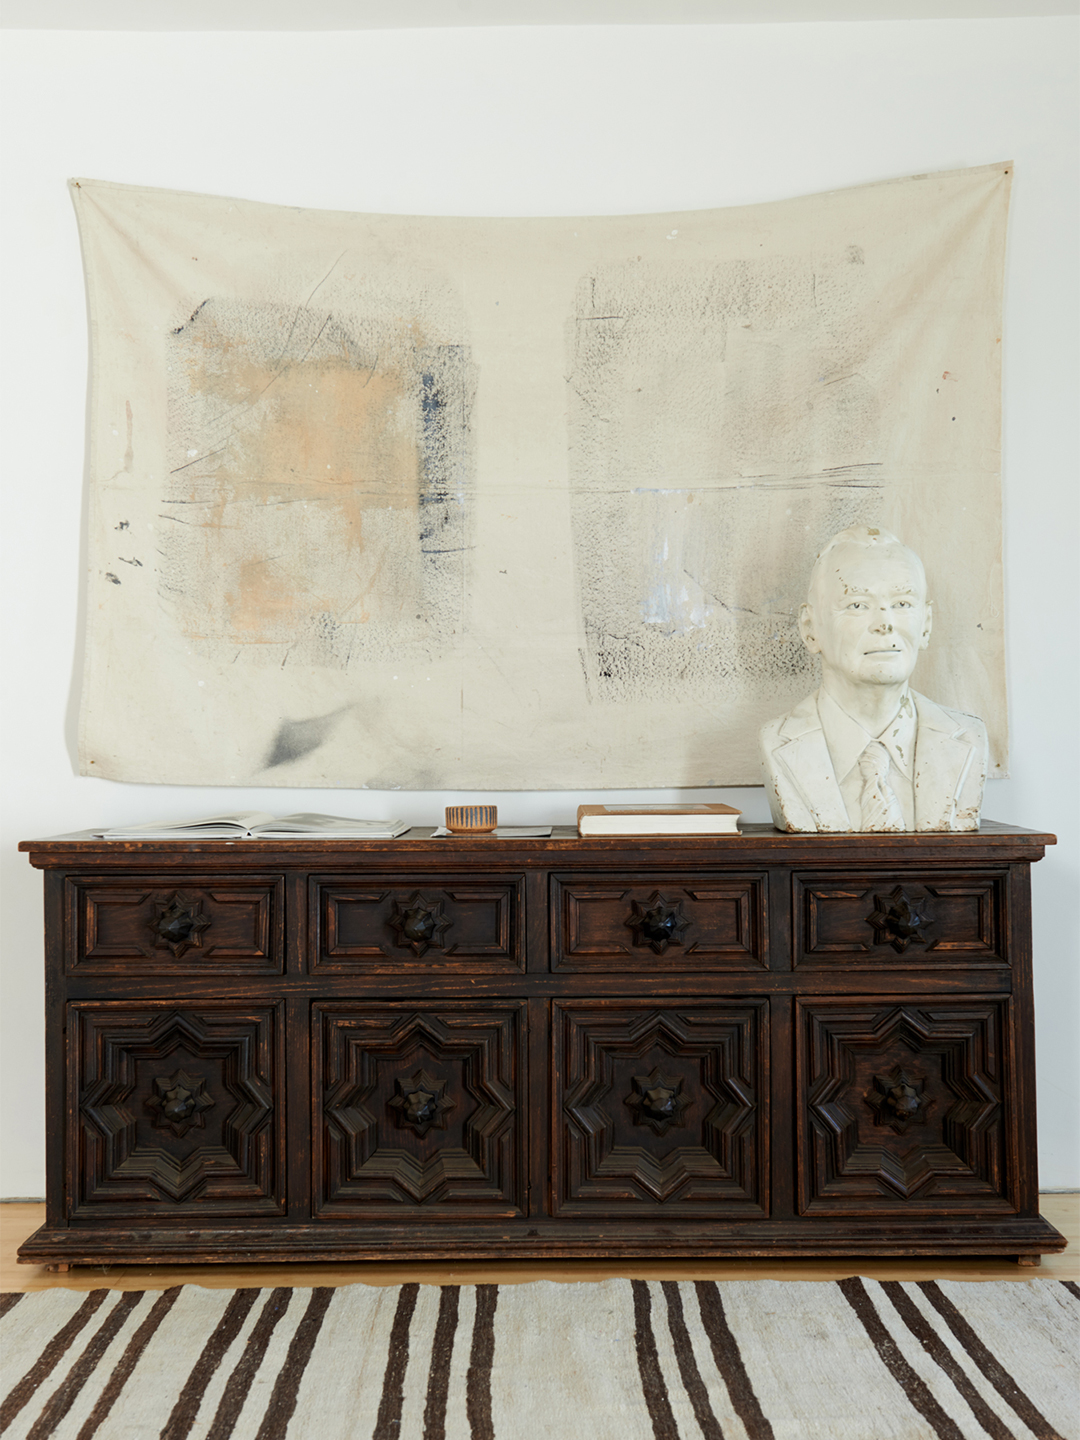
(434, 503)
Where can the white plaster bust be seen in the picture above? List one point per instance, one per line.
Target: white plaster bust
(865, 752)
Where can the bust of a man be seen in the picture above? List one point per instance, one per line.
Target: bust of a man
(865, 752)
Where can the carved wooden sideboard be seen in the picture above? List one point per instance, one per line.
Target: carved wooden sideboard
(470, 1047)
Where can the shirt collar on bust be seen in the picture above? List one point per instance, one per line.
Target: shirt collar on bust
(847, 739)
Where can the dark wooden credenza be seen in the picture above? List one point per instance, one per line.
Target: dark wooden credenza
(475, 1047)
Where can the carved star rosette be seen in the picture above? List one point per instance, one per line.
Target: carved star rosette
(896, 921)
(657, 1101)
(419, 923)
(657, 923)
(898, 1100)
(420, 1103)
(178, 1102)
(178, 923)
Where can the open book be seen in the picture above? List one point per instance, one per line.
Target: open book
(258, 825)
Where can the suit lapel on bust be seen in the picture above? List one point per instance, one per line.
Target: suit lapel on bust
(942, 760)
(804, 759)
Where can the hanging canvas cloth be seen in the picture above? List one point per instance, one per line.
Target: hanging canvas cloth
(434, 503)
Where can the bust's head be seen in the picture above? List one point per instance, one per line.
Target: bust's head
(866, 613)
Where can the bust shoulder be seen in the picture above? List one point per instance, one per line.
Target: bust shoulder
(957, 723)
(800, 719)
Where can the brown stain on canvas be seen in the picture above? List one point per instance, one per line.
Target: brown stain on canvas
(334, 440)
(324, 430)
(302, 462)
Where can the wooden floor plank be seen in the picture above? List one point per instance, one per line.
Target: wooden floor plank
(19, 1220)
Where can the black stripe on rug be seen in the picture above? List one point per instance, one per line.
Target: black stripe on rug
(652, 1377)
(687, 1363)
(228, 1327)
(912, 1384)
(127, 1362)
(225, 1332)
(62, 1399)
(43, 1367)
(388, 1421)
(239, 1382)
(1072, 1287)
(729, 1362)
(442, 1352)
(943, 1357)
(481, 1359)
(988, 1363)
(282, 1403)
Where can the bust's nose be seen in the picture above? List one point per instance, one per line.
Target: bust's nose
(882, 625)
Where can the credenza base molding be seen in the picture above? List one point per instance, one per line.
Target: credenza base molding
(321, 1244)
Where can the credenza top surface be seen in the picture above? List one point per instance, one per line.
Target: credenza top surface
(755, 843)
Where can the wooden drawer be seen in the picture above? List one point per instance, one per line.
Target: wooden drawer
(468, 924)
(191, 924)
(419, 1109)
(659, 1109)
(658, 922)
(899, 919)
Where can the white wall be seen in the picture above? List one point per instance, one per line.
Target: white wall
(517, 122)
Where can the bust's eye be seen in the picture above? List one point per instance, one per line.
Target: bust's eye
(903, 604)
(857, 605)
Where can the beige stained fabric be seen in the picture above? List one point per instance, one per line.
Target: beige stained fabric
(438, 503)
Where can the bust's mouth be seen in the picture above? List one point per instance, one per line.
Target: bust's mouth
(892, 650)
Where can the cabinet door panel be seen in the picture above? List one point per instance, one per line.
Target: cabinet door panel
(382, 926)
(899, 920)
(659, 1109)
(901, 1107)
(660, 922)
(419, 1109)
(176, 1110)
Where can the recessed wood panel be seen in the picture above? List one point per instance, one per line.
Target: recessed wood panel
(901, 1107)
(176, 1110)
(142, 925)
(663, 923)
(659, 1109)
(901, 921)
(419, 1109)
(383, 926)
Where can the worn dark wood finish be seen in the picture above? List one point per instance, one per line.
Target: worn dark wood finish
(758, 1045)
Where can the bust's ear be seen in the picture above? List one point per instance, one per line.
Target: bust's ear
(928, 626)
(806, 629)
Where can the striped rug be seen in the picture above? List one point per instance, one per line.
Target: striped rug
(621, 1360)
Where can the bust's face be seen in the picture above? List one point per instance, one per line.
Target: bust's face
(868, 616)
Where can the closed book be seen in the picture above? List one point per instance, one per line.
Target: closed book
(657, 820)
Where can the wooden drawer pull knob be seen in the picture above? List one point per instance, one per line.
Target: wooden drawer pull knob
(419, 923)
(178, 923)
(657, 922)
(420, 1102)
(657, 1101)
(178, 1101)
(896, 922)
(898, 1100)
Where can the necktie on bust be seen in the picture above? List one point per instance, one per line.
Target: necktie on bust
(878, 804)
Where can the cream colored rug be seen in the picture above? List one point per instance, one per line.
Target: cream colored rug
(622, 1360)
